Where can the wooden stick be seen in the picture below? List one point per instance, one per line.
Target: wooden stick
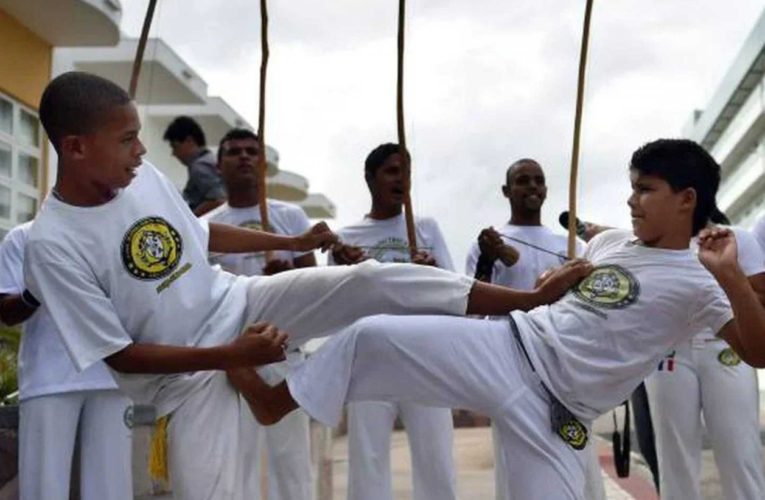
(262, 165)
(411, 234)
(141, 48)
(577, 132)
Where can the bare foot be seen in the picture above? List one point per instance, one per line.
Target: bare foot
(268, 404)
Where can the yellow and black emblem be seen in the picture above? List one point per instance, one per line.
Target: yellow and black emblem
(573, 433)
(728, 357)
(151, 248)
(610, 287)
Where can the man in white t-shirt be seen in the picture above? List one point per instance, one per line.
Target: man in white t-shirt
(382, 235)
(59, 406)
(539, 249)
(120, 263)
(703, 375)
(547, 373)
(288, 442)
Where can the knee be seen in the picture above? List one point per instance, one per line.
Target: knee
(365, 275)
(367, 332)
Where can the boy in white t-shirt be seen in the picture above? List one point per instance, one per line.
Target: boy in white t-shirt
(59, 406)
(120, 263)
(546, 374)
(538, 249)
(287, 443)
(382, 236)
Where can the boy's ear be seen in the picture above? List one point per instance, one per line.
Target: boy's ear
(688, 198)
(72, 146)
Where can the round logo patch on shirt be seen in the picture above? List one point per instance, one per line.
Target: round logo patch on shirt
(728, 357)
(151, 248)
(390, 250)
(610, 286)
(574, 433)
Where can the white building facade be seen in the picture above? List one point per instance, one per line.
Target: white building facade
(732, 129)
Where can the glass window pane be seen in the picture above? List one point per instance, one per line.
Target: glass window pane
(29, 129)
(26, 208)
(5, 159)
(5, 202)
(28, 169)
(6, 116)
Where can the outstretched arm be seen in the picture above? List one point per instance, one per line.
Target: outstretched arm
(225, 238)
(493, 300)
(746, 331)
(259, 344)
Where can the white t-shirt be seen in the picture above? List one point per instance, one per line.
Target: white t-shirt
(758, 231)
(594, 346)
(133, 270)
(532, 262)
(385, 240)
(284, 218)
(751, 260)
(44, 366)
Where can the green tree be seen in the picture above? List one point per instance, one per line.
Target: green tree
(10, 339)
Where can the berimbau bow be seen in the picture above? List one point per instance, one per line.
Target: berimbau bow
(577, 132)
(411, 234)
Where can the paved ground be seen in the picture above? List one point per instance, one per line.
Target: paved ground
(475, 464)
(473, 454)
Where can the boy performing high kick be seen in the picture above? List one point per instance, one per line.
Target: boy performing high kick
(120, 263)
(546, 374)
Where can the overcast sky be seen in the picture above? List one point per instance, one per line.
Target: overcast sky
(487, 82)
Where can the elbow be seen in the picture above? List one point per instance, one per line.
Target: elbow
(755, 360)
(757, 363)
(121, 361)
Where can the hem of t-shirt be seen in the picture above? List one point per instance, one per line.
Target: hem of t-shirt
(167, 406)
(96, 355)
(65, 389)
(717, 329)
(580, 411)
(11, 290)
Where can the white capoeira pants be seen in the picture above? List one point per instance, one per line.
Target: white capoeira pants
(48, 427)
(697, 382)
(451, 363)
(594, 488)
(431, 434)
(287, 445)
(319, 301)
(306, 303)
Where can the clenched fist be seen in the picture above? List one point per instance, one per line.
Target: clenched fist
(259, 344)
(319, 236)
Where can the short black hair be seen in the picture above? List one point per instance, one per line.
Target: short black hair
(76, 103)
(684, 164)
(523, 161)
(235, 134)
(183, 127)
(377, 157)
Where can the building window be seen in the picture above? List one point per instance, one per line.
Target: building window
(20, 163)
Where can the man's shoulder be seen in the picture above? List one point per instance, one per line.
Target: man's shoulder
(205, 161)
(283, 207)
(612, 236)
(19, 232)
(217, 214)
(428, 223)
